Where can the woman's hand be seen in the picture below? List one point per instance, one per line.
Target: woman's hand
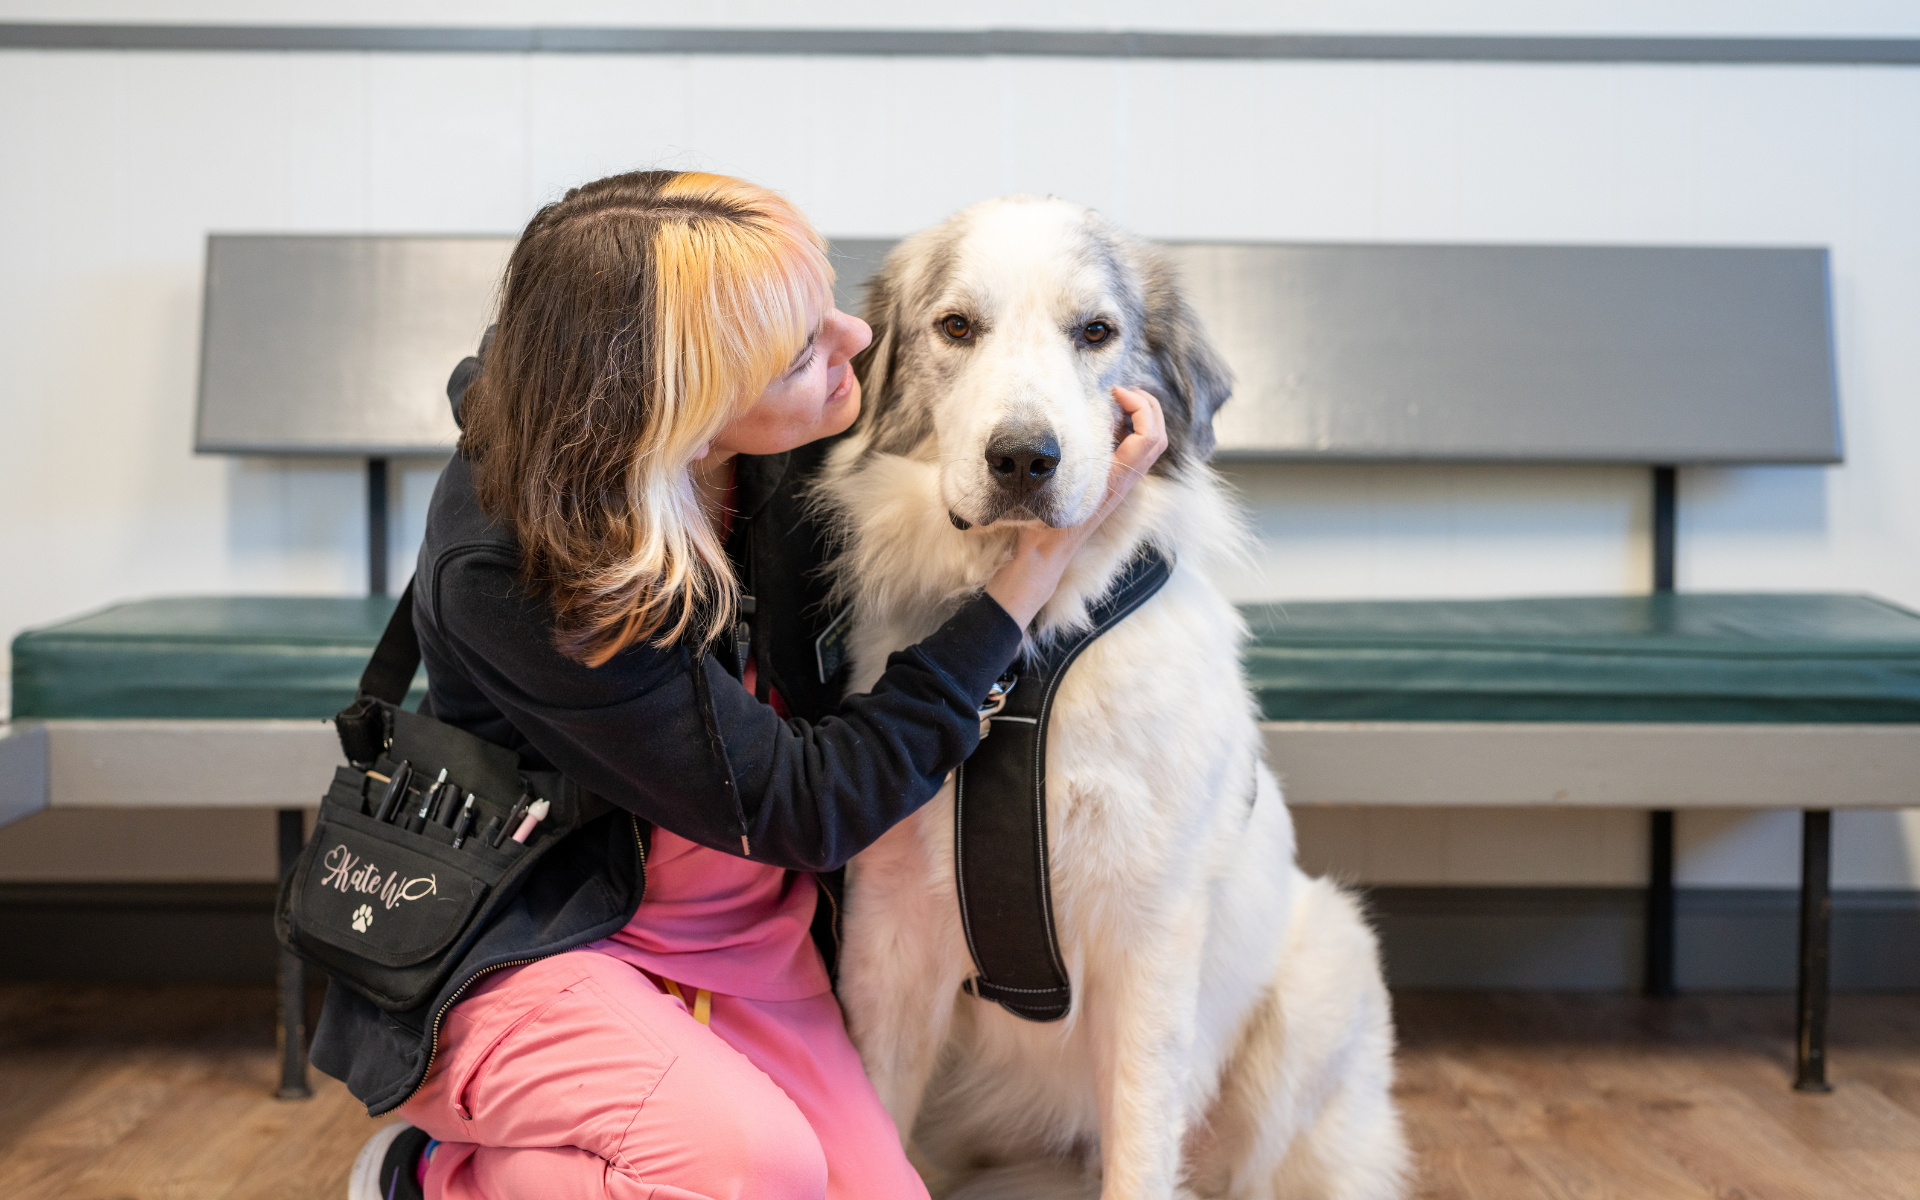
(1040, 557)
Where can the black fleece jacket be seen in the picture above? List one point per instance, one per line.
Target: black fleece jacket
(669, 736)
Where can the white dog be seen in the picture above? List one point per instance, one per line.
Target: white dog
(1230, 1034)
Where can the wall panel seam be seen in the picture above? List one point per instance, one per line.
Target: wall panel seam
(966, 43)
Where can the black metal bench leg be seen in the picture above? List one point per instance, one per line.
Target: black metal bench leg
(1661, 916)
(1816, 925)
(1660, 906)
(293, 979)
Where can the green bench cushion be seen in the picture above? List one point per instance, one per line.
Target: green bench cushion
(1672, 658)
(201, 656)
(1688, 657)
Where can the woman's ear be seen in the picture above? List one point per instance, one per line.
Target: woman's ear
(1194, 381)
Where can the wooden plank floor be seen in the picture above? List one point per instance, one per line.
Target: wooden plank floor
(1553, 1095)
(165, 1094)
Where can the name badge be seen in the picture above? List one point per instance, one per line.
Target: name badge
(830, 648)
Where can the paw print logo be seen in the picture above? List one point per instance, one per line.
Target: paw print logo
(362, 917)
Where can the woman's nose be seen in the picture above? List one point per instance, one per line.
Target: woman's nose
(850, 336)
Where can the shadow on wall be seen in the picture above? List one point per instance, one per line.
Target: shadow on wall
(1773, 502)
(1875, 849)
(299, 525)
(1590, 939)
(1738, 849)
(1342, 531)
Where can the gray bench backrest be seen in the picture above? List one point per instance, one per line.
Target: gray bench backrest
(339, 345)
(1370, 353)
(1509, 353)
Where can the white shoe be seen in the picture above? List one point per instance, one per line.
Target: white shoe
(386, 1166)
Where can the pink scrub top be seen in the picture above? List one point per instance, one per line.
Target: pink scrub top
(715, 921)
(729, 925)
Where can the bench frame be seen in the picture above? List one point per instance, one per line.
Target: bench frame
(1657, 767)
(1495, 764)
(140, 763)
(144, 763)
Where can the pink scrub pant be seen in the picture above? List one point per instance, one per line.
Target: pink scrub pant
(577, 1078)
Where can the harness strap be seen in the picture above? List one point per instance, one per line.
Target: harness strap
(1000, 821)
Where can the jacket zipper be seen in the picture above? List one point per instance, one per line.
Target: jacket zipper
(433, 1046)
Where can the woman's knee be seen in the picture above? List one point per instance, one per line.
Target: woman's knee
(759, 1148)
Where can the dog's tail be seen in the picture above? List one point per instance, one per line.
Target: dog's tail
(1030, 1181)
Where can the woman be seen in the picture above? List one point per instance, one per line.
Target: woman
(614, 582)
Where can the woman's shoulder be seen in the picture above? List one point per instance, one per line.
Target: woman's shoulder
(470, 594)
(457, 523)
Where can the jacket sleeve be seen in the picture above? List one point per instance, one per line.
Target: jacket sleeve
(698, 755)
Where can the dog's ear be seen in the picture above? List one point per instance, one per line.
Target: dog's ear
(1194, 381)
(873, 367)
(892, 428)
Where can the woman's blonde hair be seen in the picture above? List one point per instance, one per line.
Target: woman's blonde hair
(640, 314)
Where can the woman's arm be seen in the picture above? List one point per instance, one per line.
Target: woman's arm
(669, 734)
(696, 754)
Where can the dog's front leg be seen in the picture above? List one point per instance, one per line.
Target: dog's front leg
(898, 980)
(1141, 1017)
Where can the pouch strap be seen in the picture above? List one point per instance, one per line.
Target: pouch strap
(1000, 821)
(366, 726)
(390, 671)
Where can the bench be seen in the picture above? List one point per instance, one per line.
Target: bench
(311, 346)
(193, 702)
(1657, 357)
(1658, 702)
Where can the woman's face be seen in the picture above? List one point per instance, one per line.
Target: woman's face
(817, 397)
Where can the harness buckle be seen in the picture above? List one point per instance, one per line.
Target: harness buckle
(996, 700)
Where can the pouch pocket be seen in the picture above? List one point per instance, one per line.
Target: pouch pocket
(391, 897)
(387, 912)
(390, 907)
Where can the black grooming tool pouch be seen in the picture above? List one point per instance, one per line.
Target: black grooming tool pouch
(380, 897)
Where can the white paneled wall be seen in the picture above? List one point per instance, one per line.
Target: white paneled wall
(117, 165)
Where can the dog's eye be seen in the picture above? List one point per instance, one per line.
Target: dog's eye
(1097, 332)
(956, 327)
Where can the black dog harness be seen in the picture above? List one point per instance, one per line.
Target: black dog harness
(1000, 820)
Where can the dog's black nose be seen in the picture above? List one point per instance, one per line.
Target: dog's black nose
(1023, 462)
